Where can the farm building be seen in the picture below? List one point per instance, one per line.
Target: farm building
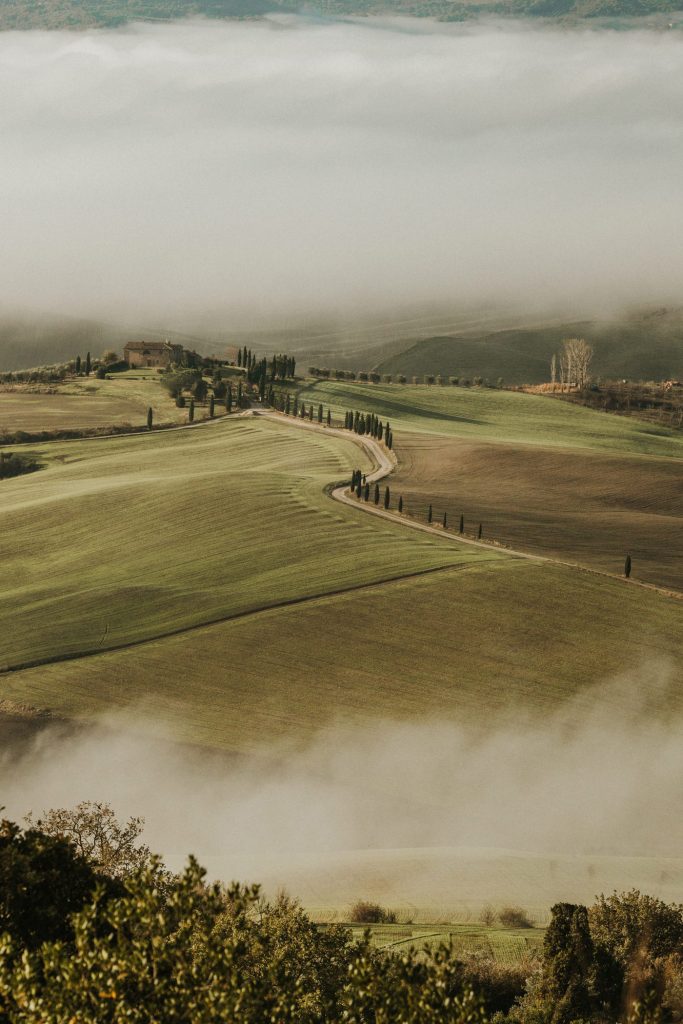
(152, 353)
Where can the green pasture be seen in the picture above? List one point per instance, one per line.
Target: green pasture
(128, 538)
(480, 643)
(490, 414)
(506, 945)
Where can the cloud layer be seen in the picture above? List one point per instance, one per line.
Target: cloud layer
(291, 165)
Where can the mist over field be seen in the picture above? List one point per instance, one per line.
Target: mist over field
(601, 775)
(257, 170)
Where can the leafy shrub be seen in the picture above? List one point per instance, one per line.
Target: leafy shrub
(15, 465)
(362, 375)
(364, 912)
(514, 917)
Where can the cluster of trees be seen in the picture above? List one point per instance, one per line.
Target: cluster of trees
(368, 423)
(15, 465)
(571, 368)
(94, 928)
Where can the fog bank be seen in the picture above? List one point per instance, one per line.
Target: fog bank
(286, 166)
(603, 775)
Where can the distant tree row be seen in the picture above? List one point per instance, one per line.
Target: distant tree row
(368, 423)
(388, 378)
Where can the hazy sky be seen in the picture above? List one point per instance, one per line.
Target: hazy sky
(289, 164)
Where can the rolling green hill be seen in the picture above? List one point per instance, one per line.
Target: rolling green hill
(488, 414)
(642, 347)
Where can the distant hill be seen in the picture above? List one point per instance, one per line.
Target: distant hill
(81, 14)
(645, 346)
(28, 341)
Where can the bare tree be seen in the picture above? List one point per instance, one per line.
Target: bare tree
(112, 848)
(553, 370)
(577, 355)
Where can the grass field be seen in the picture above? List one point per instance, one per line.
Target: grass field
(487, 414)
(576, 505)
(154, 533)
(87, 402)
(291, 613)
(585, 488)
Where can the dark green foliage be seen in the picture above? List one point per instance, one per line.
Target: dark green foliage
(212, 406)
(329, 418)
(320, 414)
(364, 912)
(42, 882)
(150, 418)
(78, 365)
(565, 993)
(366, 493)
(479, 532)
(461, 528)
(180, 401)
(376, 494)
(387, 498)
(88, 364)
(400, 503)
(359, 490)
(190, 412)
(101, 373)
(627, 566)
(310, 414)
(15, 465)
(390, 441)
(445, 520)
(228, 398)
(429, 514)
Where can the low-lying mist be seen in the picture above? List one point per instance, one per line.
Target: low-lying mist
(602, 774)
(257, 170)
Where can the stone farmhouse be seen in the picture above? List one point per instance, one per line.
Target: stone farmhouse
(152, 353)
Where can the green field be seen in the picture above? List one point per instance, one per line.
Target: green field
(155, 533)
(202, 582)
(486, 414)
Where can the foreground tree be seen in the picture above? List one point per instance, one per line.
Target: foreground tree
(112, 848)
(43, 880)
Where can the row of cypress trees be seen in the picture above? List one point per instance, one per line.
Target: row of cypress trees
(368, 423)
(361, 487)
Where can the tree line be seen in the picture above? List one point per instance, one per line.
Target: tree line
(93, 928)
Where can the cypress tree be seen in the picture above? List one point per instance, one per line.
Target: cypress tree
(228, 399)
(400, 504)
(78, 366)
(239, 356)
(190, 411)
(445, 520)
(387, 431)
(627, 567)
(462, 524)
(88, 364)
(359, 490)
(212, 406)
(288, 405)
(239, 392)
(320, 414)
(429, 514)
(390, 442)
(329, 418)
(311, 413)
(387, 498)
(376, 494)
(479, 532)
(150, 418)
(366, 491)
